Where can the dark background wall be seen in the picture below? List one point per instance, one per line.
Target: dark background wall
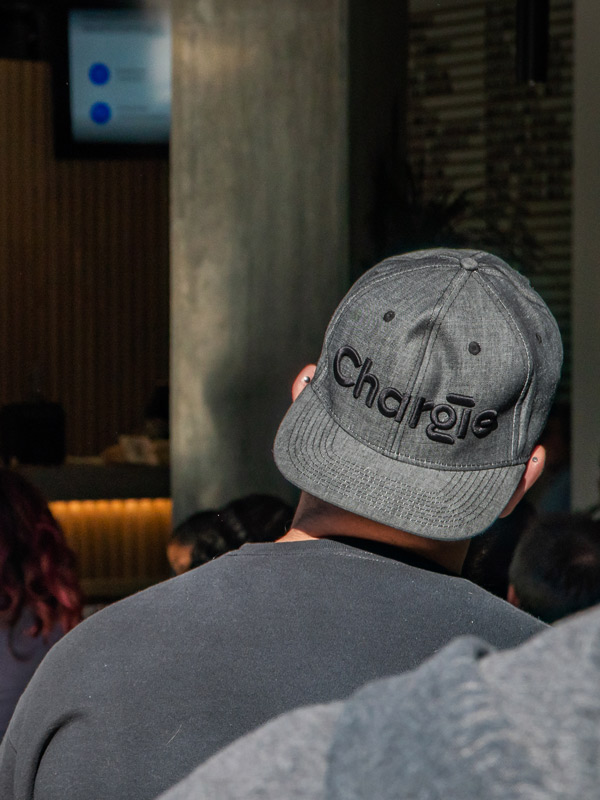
(84, 259)
(84, 271)
(491, 156)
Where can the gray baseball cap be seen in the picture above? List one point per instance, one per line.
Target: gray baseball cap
(435, 380)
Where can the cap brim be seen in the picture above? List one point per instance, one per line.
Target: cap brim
(315, 454)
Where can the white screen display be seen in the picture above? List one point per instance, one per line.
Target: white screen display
(120, 75)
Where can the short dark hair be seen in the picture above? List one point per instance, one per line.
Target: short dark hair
(556, 567)
(203, 532)
(490, 554)
(255, 518)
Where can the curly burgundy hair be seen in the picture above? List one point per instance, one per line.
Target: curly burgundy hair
(37, 568)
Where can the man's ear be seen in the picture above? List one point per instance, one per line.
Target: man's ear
(533, 470)
(303, 378)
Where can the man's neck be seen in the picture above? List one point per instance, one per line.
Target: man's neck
(315, 519)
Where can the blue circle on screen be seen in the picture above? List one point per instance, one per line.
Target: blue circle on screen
(99, 73)
(100, 113)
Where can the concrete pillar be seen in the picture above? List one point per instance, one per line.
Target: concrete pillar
(586, 257)
(258, 226)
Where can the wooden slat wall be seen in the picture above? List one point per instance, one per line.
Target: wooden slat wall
(473, 128)
(84, 262)
(120, 544)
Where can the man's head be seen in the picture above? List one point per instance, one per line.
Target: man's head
(434, 383)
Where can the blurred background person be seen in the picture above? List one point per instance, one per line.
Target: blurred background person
(555, 570)
(40, 597)
(194, 541)
(490, 554)
(208, 534)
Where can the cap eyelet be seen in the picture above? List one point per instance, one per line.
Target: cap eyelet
(389, 316)
(474, 348)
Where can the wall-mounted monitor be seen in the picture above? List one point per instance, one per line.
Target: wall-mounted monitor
(112, 80)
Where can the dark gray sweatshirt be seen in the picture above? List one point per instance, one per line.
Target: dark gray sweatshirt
(138, 695)
(469, 724)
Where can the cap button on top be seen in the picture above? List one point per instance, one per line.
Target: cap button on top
(469, 263)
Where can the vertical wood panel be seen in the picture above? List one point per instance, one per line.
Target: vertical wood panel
(83, 271)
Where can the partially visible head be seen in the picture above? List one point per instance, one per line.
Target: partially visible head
(37, 568)
(434, 384)
(156, 413)
(555, 570)
(490, 554)
(256, 518)
(195, 541)
(208, 534)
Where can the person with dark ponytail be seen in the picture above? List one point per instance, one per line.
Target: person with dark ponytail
(40, 597)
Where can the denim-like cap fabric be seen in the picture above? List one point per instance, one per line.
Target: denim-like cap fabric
(434, 383)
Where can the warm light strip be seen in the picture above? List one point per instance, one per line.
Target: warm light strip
(117, 539)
